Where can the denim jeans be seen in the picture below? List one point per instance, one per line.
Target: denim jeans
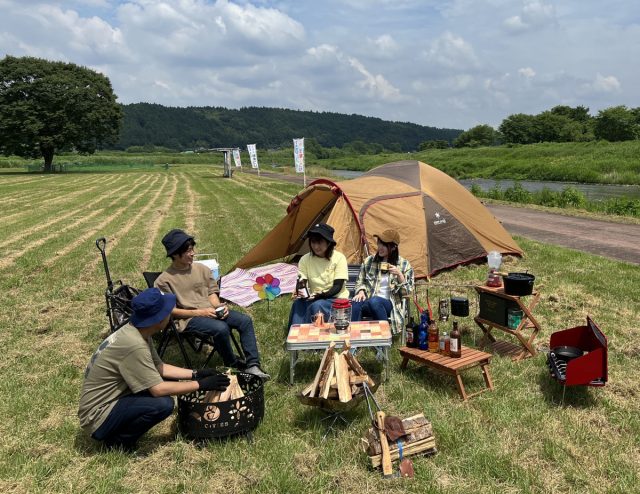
(377, 308)
(220, 331)
(302, 310)
(131, 417)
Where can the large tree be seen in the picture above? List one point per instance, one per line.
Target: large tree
(617, 123)
(54, 106)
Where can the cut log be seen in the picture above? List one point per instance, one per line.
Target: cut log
(325, 381)
(409, 449)
(342, 377)
(326, 358)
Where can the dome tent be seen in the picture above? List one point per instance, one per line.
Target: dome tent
(441, 224)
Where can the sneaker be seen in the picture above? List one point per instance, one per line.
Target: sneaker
(257, 371)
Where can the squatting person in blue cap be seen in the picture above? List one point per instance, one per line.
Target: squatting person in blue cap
(326, 272)
(196, 302)
(127, 389)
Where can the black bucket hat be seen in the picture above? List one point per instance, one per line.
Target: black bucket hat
(175, 239)
(324, 230)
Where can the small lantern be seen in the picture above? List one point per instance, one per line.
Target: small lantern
(340, 314)
(443, 310)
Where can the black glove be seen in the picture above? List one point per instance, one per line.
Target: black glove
(218, 382)
(196, 375)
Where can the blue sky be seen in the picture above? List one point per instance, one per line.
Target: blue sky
(451, 64)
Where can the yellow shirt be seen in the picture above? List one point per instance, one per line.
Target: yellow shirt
(321, 272)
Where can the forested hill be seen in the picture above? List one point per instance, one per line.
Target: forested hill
(196, 127)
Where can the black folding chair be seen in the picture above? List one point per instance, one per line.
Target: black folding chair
(195, 340)
(117, 295)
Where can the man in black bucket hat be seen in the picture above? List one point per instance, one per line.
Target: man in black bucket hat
(127, 389)
(198, 307)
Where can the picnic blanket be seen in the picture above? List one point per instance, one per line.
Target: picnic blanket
(237, 286)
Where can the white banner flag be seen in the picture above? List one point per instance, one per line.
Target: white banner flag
(253, 155)
(236, 158)
(298, 154)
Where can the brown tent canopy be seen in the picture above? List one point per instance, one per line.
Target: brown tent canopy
(441, 224)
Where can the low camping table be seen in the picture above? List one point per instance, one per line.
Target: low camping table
(528, 323)
(452, 366)
(376, 334)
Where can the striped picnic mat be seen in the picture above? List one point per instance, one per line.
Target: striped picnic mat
(237, 286)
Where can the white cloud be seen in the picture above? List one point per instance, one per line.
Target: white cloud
(527, 72)
(453, 52)
(535, 14)
(448, 64)
(605, 84)
(383, 46)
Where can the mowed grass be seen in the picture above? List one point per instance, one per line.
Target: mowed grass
(519, 438)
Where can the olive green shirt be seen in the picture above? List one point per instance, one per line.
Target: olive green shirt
(123, 364)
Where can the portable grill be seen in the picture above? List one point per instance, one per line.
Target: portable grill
(117, 295)
(200, 420)
(578, 356)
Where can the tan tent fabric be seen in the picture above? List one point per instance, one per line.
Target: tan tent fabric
(441, 224)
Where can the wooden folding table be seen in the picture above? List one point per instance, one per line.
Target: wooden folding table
(528, 323)
(452, 366)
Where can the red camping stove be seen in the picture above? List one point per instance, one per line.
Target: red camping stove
(578, 356)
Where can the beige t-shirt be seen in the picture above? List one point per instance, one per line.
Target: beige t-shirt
(191, 287)
(322, 272)
(123, 364)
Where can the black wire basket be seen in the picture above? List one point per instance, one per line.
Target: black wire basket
(200, 420)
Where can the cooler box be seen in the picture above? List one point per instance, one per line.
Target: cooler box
(210, 261)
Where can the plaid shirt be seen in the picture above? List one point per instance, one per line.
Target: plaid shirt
(369, 280)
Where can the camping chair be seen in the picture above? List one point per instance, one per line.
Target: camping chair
(353, 272)
(117, 295)
(194, 339)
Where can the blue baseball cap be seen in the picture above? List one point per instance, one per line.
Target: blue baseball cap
(150, 307)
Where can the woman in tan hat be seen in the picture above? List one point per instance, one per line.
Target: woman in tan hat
(383, 280)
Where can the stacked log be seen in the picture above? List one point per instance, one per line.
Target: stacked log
(233, 391)
(339, 376)
(418, 439)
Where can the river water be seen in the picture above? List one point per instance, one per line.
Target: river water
(593, 192)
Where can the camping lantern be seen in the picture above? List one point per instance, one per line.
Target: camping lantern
(340, 314)
(443, 310)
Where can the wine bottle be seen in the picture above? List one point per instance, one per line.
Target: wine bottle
(455, 342)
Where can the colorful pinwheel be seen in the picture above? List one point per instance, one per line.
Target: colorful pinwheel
(267, 287)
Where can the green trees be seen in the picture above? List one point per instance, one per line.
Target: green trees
(52, 106)
(618, 123)
(480, 135)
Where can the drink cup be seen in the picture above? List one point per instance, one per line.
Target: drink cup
(384, 267)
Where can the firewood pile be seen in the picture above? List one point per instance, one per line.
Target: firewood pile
(339, 377)
(418, 439)
(233, 391)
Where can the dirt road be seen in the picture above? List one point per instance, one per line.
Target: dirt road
(614, 240)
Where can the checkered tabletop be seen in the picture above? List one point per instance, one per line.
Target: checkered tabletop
(362, 333)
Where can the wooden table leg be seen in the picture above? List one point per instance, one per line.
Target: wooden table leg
(460, 385)
(404, 363)
(486, 375)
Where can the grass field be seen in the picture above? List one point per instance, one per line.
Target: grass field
(519, 438)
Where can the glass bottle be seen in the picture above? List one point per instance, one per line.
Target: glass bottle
(433, 337)
(455, 342)
(409, 333)
(301, 287)
(422, 332)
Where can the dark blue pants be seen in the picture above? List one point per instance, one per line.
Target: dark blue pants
(220, 331)
(376, 308)
(131, 417)
(302, 310)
